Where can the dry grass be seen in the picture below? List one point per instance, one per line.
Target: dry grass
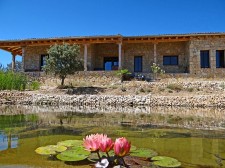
(113, 86)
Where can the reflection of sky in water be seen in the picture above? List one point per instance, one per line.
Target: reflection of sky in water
(4, 141)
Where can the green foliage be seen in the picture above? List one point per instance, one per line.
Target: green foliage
(71, 143)
(174, 86)
(122, 73)
(2, 68)
(142, 152)
(190, 89)
(164, 161)
(156, 70)
(74, 154)
(50, 149)
(35, 85)
(73, 151)
(12, 81)
(63, 60)
(18, 66)
(222, 85)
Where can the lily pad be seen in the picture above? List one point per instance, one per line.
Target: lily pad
(143, 152)
(75, 154)
(50, 149)
(165, 161)
(71, 143)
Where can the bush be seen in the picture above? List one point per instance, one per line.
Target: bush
(142, 90)
(222, 85)
(12, 81)
(174, 86)
(35, 85)
(190, 89)
(161, 89)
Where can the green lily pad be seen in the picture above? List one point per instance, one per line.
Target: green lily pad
(70, 143)
(165, 161)
(50, 149)
(142, 152)
(75, 154)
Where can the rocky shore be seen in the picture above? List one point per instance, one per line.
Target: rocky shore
(27, 98)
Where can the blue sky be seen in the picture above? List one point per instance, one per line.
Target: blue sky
(55, 18)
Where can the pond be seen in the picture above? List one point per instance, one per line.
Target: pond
(196, 137)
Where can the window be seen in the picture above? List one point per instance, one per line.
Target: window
(170, 60)
(138, 64)
(43, 61)
(204, 56)
(220, 61)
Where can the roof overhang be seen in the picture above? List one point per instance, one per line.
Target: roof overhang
(15, 46)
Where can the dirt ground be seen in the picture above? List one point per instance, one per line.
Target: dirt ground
(162, 87)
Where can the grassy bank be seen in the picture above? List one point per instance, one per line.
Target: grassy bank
(12, 81)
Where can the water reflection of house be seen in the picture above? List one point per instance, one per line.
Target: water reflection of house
(8, 141)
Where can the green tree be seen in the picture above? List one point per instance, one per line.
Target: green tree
(63, 60)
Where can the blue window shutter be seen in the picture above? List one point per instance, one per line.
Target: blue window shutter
(217, 59)
(138, 64)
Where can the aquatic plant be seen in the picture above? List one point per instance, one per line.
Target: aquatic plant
(106, 144)
(121, 147)
(12, 81)
(94, 147)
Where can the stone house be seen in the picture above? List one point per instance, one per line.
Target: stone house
(200, 54)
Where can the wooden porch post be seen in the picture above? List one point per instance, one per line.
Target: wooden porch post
(120, 55)
(155, 53)
(85, 57)
(13, 61)
(23, 59)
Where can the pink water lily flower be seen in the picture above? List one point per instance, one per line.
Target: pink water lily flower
(121, 147)
(92, 142)
(106, 144)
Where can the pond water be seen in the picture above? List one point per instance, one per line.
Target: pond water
(196, 137)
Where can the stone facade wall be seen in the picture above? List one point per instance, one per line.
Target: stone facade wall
(211, 44)
(32, 57)
(146, 50)
(141, 49)
(174, 49)
(104, 50)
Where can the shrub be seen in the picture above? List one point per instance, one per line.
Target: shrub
(190, 89)
(174, 86)
(142, 90)
(122, 73)
(170, 91)
(12, 81)
(35, 85)
(156, 70)
(161, 89)
(222, 85)
(148, 90)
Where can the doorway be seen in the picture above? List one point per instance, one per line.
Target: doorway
(110, 63)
